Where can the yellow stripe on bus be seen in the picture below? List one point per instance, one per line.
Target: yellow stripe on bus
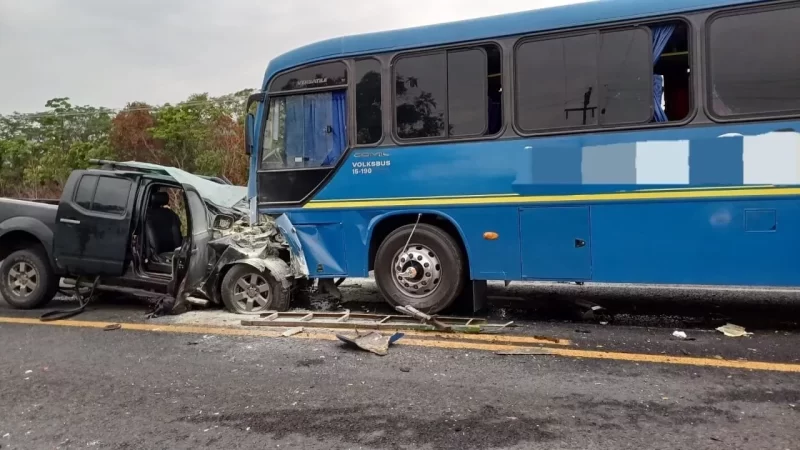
(685, 194)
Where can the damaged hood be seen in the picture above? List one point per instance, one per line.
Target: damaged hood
(225, 195)
(250, 241)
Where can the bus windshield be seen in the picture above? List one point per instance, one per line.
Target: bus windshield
(305, 131)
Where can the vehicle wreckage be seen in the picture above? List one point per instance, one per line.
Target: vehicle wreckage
(261, 247)
(113, 231)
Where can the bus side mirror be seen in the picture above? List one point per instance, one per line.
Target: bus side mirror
(250, 121)
(249, 125)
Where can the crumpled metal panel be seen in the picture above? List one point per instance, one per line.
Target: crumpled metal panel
(289, 233)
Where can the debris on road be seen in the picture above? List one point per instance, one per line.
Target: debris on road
(424, 318)
(732, 330)
(112, 327)
(372, 342)
(292, 331)
(681, 335)
(527, 351)
(362, 321)
(590, 310)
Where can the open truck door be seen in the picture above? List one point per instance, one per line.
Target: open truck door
(93, 224)
(191, 262)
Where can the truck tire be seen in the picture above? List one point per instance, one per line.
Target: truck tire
(247, 290)
(27, 280)
(429, 274)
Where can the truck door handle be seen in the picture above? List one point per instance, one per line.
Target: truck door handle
(71, 221)
(579, 243)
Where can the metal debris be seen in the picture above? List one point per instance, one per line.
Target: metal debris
(372, 342)
(445, 323)
(425, 318)
(732, 330)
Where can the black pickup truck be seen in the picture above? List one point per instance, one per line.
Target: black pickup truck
(143, 230)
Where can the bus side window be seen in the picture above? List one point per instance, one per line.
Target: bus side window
(449, 94)
(671, 71)
(753, 60)
(494, 60)
(369, 118)
(606, 78)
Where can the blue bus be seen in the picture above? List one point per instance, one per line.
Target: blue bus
(617, 141)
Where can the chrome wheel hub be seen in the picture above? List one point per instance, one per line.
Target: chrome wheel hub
(416, 271)
(23, 279)
(251, 293)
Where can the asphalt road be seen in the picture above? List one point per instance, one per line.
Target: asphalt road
(80, 387)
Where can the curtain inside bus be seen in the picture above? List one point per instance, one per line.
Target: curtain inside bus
(315, 129)
(339, 131)
(661, 35)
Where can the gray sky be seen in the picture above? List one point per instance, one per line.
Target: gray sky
(110, 52)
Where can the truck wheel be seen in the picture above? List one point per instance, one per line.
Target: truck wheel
(428, 274)
(247, 290)
(27, 280)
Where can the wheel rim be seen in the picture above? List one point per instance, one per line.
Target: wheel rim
(251, 293)
(23, 278)
(417, 271)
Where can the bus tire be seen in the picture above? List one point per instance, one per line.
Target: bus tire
(429, 275)
(27, 280)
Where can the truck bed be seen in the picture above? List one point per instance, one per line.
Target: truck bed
(44, 212)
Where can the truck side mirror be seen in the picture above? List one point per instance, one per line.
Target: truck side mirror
(249, 125)
(222, 222)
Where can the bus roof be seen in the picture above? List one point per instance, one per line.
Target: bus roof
(579, 14)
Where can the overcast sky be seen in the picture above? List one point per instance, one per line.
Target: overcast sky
(110, 52)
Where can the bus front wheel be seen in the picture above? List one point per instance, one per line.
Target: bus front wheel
(425, 271)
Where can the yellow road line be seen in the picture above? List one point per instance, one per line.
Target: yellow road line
(431, 343)
(276, 332)
(161, 328)
(507, 338)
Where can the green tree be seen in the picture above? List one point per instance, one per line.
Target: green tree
(202, 134)
(40, 150)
